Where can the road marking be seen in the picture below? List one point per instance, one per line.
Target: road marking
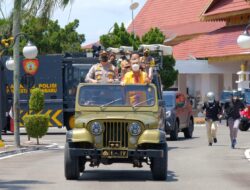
(53, 146)
(247, 154)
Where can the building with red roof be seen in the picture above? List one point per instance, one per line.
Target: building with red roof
(204, 35)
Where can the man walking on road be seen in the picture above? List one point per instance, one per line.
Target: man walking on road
(232, 112)
(212, 110)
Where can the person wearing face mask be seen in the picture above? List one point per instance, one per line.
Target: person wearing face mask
(103, 72)
(147, 63)
(212, 111)
(232, 112)
(135, 76)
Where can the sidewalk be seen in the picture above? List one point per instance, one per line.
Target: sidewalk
(26, 145)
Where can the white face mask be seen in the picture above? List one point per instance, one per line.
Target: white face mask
(135, 67)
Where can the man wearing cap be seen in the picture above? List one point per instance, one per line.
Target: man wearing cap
(102, 72)
(147, 63)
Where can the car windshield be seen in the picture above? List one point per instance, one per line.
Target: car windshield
(117, 95)
(226, 96)
(247, 97)
(169, 100)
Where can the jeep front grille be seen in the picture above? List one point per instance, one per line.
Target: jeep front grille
(115, 132)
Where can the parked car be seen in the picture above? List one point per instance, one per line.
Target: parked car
(179, 116)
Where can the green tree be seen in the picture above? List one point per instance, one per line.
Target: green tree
(32, 7)
(168, 73)
(51, 38)
(36, 125)
(119, 37)
(153, 36)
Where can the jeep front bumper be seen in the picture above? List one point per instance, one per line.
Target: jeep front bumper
(77, 152)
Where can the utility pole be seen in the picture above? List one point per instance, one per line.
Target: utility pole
(16, 76)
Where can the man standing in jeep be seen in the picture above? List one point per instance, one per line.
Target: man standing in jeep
(103, 72)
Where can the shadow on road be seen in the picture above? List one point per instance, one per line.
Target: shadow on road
(20, 184)
(182, 139)
(122, 175)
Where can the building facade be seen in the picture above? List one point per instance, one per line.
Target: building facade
(204, 35)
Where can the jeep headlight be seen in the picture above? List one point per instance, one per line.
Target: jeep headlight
(168, 113)
(96, 128)
(134, 129)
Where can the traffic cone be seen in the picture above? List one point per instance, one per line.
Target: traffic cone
(1, 144)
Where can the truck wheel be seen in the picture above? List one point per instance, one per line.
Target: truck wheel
(71, 165)
(159, 166)
(188, 132)
(174, 133)
(244, 126)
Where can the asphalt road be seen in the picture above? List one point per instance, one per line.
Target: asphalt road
(192, 165)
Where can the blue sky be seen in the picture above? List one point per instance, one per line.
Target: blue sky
(97, 16)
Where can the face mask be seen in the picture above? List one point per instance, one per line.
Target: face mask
(135, 67)
(104, 59)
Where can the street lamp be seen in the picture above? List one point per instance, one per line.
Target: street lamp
(30, 52)
(244, 39)
(132, 7)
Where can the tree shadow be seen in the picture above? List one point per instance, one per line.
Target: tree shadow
(123, 175)
(20, 184)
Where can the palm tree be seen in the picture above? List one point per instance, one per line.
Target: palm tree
(42, 8)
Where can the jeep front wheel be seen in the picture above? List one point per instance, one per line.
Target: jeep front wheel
(71, 164)
(159, 166)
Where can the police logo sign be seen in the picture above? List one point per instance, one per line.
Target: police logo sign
(30, 66)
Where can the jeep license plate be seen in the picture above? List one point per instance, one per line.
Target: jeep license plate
(108, 153)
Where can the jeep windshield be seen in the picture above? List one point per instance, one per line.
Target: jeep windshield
(117, 95)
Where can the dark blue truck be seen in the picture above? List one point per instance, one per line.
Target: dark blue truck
(58, 77)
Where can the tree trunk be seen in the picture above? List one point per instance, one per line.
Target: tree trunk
(16, 76)
(37, 140)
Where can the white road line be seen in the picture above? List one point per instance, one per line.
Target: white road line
(49, 147)
(13, 155)
(247, 154)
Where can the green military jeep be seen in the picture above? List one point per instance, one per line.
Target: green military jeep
(117, 124)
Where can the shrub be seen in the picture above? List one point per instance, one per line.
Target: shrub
(36, 125)
(36, 101)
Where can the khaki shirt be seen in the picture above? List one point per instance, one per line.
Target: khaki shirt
(101, 73)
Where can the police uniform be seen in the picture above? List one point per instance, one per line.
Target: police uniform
(149, 63)
(101, 73)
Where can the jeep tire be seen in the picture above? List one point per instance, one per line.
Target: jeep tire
(174, 133)
(71, 165)
(188, 132)
(159, 166)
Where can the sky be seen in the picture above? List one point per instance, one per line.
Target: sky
(97, 16)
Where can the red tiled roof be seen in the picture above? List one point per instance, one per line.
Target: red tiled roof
(188, 28)
(180, 17)
(220, 43)
(225, 6)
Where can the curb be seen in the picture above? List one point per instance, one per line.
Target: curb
(26, 149)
